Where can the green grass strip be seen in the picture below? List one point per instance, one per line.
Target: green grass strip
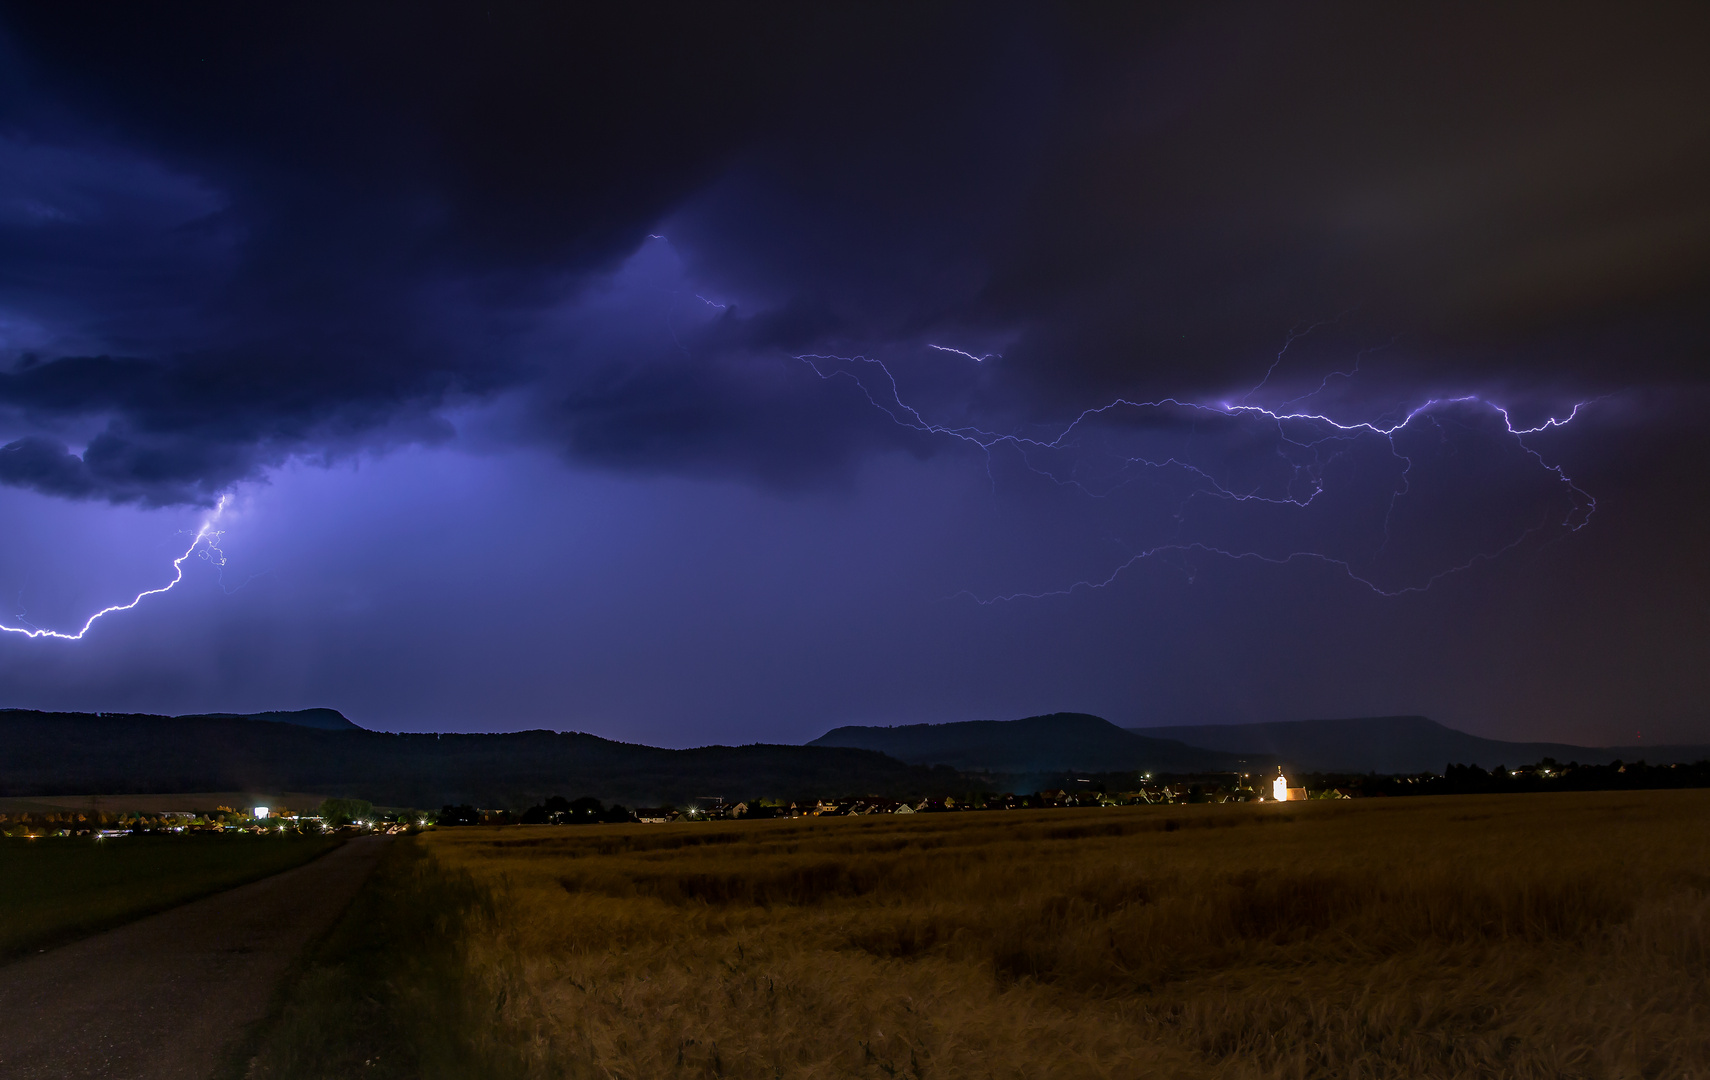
(385, 995)
(55, 889)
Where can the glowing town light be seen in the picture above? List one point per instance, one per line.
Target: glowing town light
(204, 535)
(1279, 788)
(259, 813)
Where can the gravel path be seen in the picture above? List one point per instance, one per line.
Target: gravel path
(164, 997)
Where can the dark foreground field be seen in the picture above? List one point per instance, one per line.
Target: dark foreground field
(177, 995)
(1494, 936)
(56, 888)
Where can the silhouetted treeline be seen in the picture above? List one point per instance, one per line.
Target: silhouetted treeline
(584, 811)
(464, 814)
(1546, 775)
(587, 810)
(555, 810)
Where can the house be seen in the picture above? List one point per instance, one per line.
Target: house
(655, 815)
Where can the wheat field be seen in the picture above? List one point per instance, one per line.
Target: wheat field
(1497, 936)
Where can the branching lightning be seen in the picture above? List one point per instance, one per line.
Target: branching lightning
(1302, 430)
(204, 545)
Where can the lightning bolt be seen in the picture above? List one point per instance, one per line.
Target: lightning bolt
(1303, 430)
(969, 355)
(205, 544)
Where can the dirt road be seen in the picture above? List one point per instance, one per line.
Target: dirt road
(165, 997)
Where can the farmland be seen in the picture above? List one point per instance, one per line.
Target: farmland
(1514, 936)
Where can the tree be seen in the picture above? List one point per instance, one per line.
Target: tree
(344, 811)
(459, 815)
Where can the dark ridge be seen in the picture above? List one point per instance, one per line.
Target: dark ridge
(1037, 744)
(1398, 744)
(323, 719)
(116, 753)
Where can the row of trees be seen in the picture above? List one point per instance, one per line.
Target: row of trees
(1546, 775)
(587, 810)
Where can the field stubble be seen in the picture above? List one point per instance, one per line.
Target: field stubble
(1503, 936)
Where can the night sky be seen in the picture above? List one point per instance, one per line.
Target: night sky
(706, 373)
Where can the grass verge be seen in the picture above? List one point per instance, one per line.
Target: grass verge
(55, 889)
(382, 996)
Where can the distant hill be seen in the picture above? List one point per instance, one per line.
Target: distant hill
(81, 753)
(1397, 744)
(1035, 745)
(324, 719)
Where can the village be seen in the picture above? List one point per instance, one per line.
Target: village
(331, 816)
(23, 818)
(1231, 788)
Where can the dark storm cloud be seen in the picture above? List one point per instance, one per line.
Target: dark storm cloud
(186, 429)
(1519, 190)
(339, 220)
(392, 197)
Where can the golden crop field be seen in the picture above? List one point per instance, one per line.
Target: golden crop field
(1502, 936)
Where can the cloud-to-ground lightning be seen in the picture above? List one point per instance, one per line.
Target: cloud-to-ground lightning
(205, 544)
(1301, 430)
